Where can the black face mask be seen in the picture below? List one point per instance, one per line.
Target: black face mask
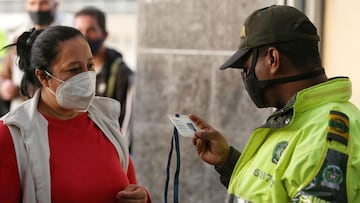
(95, 45)
(42, 17)
(256, 88)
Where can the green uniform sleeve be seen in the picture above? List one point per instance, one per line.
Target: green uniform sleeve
(227, 168)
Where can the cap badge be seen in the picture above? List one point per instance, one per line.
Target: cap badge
(243, 32)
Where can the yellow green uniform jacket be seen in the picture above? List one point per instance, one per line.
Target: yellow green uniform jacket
(309, 151)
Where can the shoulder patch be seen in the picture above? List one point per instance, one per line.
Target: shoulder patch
(338, 128)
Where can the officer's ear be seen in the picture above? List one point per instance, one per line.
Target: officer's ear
(273, 59)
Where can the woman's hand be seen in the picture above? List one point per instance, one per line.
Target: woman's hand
(132, 194)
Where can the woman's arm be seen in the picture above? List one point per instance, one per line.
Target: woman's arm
(133, 192)
(9, 177)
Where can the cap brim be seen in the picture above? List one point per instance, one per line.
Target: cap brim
(233, 61)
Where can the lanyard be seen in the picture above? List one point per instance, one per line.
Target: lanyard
(174, 140)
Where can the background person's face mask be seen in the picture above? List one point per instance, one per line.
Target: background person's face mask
(95, 45)
(77, 92)
(42, 17)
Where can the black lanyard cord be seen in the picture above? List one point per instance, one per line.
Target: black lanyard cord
(174, 139)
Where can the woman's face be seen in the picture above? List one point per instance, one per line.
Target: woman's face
(74, 57)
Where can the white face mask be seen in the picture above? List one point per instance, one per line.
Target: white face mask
(77, 92)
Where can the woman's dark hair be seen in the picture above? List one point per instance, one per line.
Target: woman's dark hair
(36, 50)
(303, 54)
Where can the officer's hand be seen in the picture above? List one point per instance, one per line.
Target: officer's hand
(132, 194)
(8, 90)
(210, 144)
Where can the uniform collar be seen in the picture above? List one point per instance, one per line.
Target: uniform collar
(334, 90)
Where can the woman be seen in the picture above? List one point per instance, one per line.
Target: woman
(63, 144)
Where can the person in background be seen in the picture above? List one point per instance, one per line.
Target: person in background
(114, 78)
(64, 143)
(4, 105)
(3, 41)
(308, 150)
(42, 14)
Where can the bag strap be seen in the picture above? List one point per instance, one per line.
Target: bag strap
(112, 78)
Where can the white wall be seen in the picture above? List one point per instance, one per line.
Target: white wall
(122, 30)
(341, 41)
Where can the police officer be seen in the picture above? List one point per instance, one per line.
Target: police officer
(308, 149)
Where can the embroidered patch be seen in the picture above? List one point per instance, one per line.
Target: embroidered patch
(278, 150)
(338, 128)
(332, 177)
(330, 182)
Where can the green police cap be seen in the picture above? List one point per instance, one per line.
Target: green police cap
(274, 24)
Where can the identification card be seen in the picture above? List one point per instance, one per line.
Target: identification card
(184, 125)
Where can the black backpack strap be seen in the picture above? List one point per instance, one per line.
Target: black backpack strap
(112, 77)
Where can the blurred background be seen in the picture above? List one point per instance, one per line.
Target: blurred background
(121, 20)
(176, 47)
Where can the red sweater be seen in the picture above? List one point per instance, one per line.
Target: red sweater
(84, 165)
